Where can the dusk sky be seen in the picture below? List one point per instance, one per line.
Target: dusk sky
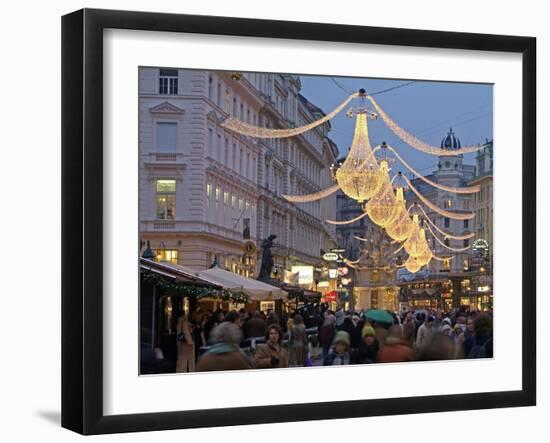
(425, 109)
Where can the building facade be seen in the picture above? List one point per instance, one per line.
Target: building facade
(204, 191)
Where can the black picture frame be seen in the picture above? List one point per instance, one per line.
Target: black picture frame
(82, 218)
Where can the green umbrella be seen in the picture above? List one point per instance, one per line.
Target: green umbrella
(379, 315)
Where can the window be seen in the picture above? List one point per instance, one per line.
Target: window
(167, 136)
(446, 222)
(219, 95)
(168, 81)
(466, 243)
(166, 199)
(167, 255)
(447, 264)
(466, 224)
(233, 201)
(446, 241)
(447, 203)
(218, 193)
(466, 204)
(240, 204)
(225, 198)
(210, 87)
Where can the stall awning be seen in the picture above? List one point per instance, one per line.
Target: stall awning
(179, 273)
(256, 290)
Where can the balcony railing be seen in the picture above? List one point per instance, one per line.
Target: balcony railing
(163, 225)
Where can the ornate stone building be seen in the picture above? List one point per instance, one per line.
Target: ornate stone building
(205, 190)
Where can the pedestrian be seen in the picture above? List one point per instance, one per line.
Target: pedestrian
(395, 350)
(381, 332)
(409, 329)
(480, 344)
(340, 352)
(326, 333)
(368, 348)
(446, 327)
(458, 336)
(199, 336)
(297, 342)
(186, 345)
(271, 354)
(256, 326)
(425, 331)
(224, 353)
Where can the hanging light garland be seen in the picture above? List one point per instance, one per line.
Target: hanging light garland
(466, 190)
(241, 127)
(440, 211)
(312, 197)
(441, 231)
(443, 243)
(346, 222)
(414, 142)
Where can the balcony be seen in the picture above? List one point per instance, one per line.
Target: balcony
(164, 225)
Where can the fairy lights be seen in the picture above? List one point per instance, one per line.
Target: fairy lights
(443, 243)
(441, 231)
(466, 190)
(241, 127)
(383, 207)
(440, 211)
(415, 142)
(312, 197)
(346, 222)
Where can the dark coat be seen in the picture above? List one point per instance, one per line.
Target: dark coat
(366, 353)
(326, 334)
(255, 327)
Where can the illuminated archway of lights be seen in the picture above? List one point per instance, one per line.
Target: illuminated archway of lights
(366, 179)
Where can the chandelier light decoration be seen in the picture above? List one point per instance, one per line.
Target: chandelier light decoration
(382, 207)
(243, 128)
(401, 227)
(366, 179)
(360, 177)
(416, 143)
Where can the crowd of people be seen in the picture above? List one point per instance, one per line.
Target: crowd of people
(315, 335)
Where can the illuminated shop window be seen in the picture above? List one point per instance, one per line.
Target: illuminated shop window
(167, 255)
(166, 199)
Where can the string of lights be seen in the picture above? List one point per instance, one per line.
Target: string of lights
(440, 211)
(414, 142)
(466, 190)
(346, 222)
(441, 231)
(241, 127)
(443, 244)
(312, 197)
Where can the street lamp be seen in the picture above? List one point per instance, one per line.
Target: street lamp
(148, 253)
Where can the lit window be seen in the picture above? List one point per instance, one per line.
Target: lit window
(166, 136)
(168, 81)
(447, 204)
(225, 198)
(241, 204)
(447, 263)
(166, 199)
(208, 190)
(167, 255)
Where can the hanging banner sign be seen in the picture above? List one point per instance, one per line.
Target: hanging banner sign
(331, 256)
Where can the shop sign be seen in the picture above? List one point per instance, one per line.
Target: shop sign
(330, 297)
(331, 256)
(323, 284)
(305, 274)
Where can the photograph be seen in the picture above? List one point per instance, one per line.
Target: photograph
(297, 221)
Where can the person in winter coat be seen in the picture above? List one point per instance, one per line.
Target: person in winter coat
(425, 332)
(186, 345)
(326, 333)
(368, 348)
(395, 350)
(256, 326)
(297, 342)
(224, 354)
(409, 329)
(339, 354)
(480, 345)
(271, 354)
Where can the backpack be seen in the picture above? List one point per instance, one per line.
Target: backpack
(479, 351)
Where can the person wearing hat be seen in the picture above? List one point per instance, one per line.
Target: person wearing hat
(339, 354)
(368, 348)
(458, 336)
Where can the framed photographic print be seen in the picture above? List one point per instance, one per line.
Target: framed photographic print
(261, 208)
